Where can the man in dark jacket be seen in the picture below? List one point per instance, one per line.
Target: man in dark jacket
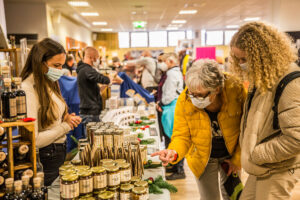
(89, 92)
(70, 63)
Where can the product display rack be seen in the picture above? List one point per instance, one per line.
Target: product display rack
(26, 135)
(13, 54)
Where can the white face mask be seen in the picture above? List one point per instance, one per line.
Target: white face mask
(201, 104)
(163, 66)
(96, 63)
(54, 74)
(244, 66)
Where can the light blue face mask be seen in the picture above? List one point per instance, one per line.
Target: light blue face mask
(54, 74)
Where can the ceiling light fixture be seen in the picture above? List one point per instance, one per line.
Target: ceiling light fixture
(248, 19)
(187, 12)
(133, 12)
(106, 29)
(79, 3)
(178, 21)
(89, 14)
(232, 26)
(99, 23)
(172, 28)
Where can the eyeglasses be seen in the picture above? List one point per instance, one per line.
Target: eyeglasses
(198, 96)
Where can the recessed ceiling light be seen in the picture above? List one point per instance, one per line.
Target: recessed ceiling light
(79, 3)
(232, 26)
(99, 23)
(187, 12)
(172, 28)
(175, 25)
(247, 19)
(89, 14)
(106, 29)
(179, 21)
(133, 12)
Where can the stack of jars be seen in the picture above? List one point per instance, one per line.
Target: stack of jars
(110, 181)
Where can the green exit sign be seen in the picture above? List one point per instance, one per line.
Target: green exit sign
(139, 24)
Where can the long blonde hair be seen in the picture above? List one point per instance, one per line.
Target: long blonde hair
(269, 54)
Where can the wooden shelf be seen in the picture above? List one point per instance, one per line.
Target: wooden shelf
(23, 166)
(15, 144)
(15, 137)
(9, 50)
(14, 124)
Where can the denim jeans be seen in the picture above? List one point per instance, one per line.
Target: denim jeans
(89, 118)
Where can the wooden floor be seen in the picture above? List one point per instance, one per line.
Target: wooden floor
(187, 188)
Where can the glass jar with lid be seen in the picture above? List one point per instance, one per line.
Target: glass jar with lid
(116, 191)
(139, 193)
(85, 182)
(135, 179)
(106, 196)
(143, 184)
(113, 176)
(120, 161)
(69, 187)
(81, 167)
(104, 161)
(125, 173)
(99, 178)
(65, 167)
(126, 192)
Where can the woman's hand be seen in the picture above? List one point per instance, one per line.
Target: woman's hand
(232, 168)
(166, 156)
(72, 120)
(158, 108)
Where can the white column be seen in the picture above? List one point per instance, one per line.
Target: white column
(2, 17)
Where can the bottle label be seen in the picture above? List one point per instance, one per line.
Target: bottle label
(125, 175)
(13, 107)
(86, 186)
(21, 105)
(125, 196)
(70, 191)
(114, 179)
(100, 181)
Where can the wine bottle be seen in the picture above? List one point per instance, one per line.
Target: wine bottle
(43, 187)
(37, 193)
(3, 160)
(18, 195)
(20, 154)
(8, 103)
(26, 191)
(9, 192)
(21, 99)
(2, 134)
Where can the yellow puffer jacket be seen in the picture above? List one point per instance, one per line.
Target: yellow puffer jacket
(192, 135)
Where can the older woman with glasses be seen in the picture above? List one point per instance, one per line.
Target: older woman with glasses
(207, 127)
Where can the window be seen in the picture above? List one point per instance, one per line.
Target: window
(123, 39)
(139, 39)
(174, 36)
(229, 35)
(189, 35)
(214, 37)
(158, 39)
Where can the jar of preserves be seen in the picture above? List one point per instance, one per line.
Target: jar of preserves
(120, 161)
(106, 196)
(125, 173)
(108, 139)
(118, 138)
(143, 184)
(87, 198)
(107, 165)
(76, 162)
(135, 179)
(139, 193)
(65, 167)
(104, 161)
(99, 178)
(85, 182)
(69, 187)
(96, 193)
(67, 172)
(116, 191)
(126, 192)
(81, 167)
(113, 176)
(98, 138)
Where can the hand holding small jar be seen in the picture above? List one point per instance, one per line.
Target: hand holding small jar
(72, 120)
(166, 156)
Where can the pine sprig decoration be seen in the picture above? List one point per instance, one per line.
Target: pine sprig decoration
(154, 189)
(156, 186)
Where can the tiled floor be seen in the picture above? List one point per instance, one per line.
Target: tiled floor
(187, 188)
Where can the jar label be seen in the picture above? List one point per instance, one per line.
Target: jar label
(125, 175)
(70, 191)
(125, 196)
(86, 186)
(21, 105)
(13, 107)
(116, 196)
(114, 179)
(98, 140)
(100, 181)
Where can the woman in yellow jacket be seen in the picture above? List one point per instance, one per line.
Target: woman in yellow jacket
(207, 127)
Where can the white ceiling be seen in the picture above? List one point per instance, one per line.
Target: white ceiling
(212, 14)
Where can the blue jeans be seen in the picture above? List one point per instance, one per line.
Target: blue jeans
(88, 118)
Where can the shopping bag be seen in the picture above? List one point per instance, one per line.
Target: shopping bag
(167, 118)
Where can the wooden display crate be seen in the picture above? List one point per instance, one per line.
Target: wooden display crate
(26, 135)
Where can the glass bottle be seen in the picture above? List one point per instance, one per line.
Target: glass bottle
(20, 154)
(26, 191)
(18, 195)
(37, 193)
(21, 99)
(43, 187)
(8, 103)
(9, 192)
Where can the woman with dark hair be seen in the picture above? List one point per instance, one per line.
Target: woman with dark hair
(45, 103)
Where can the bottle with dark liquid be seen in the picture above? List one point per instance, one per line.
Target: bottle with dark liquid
(37, 193)
(21, 99)
(2, 134)
(9, 192)
(18, 195)
(43, 187)
(8, 103)
(20, 154)
(26, 190)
